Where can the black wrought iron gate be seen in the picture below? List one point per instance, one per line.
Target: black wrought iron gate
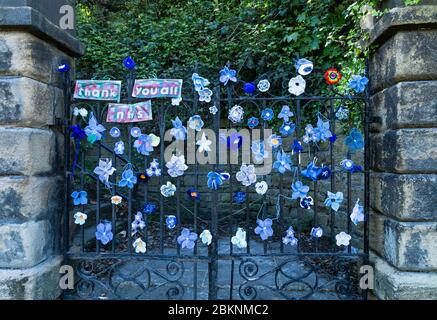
(315, 268)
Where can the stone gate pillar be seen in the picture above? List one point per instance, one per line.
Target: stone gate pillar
(32, 45)
(403, 231)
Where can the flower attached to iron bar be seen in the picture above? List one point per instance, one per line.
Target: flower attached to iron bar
(116, 200)
(145, 143)
(193, 194)
(285, 113)
(94, 130)
(287, 128)
(322, 131)
(80, 218)
(128, 179)
(171, 222)
(80, 111)
(289, 238)
(252, 122)
(168, 189)
(249, 88)
(135, 132)
(263, 85)
(267, 114)
(104, 170)
(246, 175)
(239, 239)
(187, 239)
(358, 83)
(143, 177)
(179, 132)
(296, 147)
(297, 85)
(149, 208)
(312, 171)
(259, 151)
(79, 197)
(139, 246)
(199, 82)
(325, 173)
(261, 187)
(236, 114)
(354, 141)
(176, 166)
(138, 223)
(239, 197)
(343, 239)
(306, 202)
(195, 123)
(216, 179)
(349, 165)
(304, 66)
(176, 101)
(206, 237)
(264, 228)
(154, 169)
(332, 76)
(213, 110)
(334, 200)
(274, 141)
(114, 132)
(205, 95)
(316, 232)
(227, 75)
(104, 232)
(342, 113)
(299, 190)
(357, 214)
(129, 63)
(283, 162)
(234, 141)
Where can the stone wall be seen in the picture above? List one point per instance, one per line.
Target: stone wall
(31, 173)
(403, 229)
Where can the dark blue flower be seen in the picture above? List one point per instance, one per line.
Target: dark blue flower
(128, 179)
(79, 197)
(216, 179)
(249, 88)
(193, 194)
(149, 208)
(316, 232)
(325, 173)
(227, 74)
(333, 138)
(297, 146)
(267, 114)
(306, 202)
(287, 128)
(77, 133)
(349, 165)
(104, 232)
(312, 171)
(239, 197)
(354, 141)
(252, 122)
(129, 63)
(171, 222)
(65, 67)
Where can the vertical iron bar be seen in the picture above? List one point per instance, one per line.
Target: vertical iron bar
(67, 176)
(299, 209)
(161, 179)
(332, 159)
(82, 228)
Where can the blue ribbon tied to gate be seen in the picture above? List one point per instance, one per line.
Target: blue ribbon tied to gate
(78, 135)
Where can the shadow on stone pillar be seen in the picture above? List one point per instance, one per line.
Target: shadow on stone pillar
(403, 228)
(32, 45)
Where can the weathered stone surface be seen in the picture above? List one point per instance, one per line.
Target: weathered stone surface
(25, 55)
(25, 245)
(392, 284)
(38, 283)
(405, 150)
(407, 56)
(411, 245)
(29, 198)
(376, 231)
(407, 104)
(26, 151)
(408, 197)
(26, 102)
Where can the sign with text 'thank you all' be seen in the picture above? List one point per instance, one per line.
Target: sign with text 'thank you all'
(157, 88)
(105, 90)
(125, 113)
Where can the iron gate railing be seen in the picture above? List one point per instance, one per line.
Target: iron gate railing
(315, 268)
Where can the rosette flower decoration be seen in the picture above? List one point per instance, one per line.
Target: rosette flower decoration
(332, 76)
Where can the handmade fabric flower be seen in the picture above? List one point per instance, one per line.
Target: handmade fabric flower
(259, 152)
(143, 177)
(176, 166)
(171, 222)
(199, 82)
(176, 101)
(296, 147)
(82, 112)
(119, 147)
(129, 63)
(116, 200)
(227, 74)
(249, 88)
(306, 202)
(289, 238)
(299, 190)
(193, 194)
(246, 175)
(312, 171)
(261, 187)
(213, 110)
(333, 138)
(168, 189)
(206, 237)
(77, 133)
(263, 85)
(154, 169)
(104, 170)
(343, 239)
(195, 123)
(323, 130)
(149, 208)
(287, 128)
(128, 179)
(332, 76)
(342, 113)
(138, 223)
(357, 214)
(94, 130)
(239, 197)
(204, 144)
(104, 232)
(239, 239)
(236, 114)
(205, 95)
(80, 197)
(325, 173)
(179, 132)
(267, 114)
(145, 143)
(285, 113)
(316, 232)
(114, 132)
(139, 245)
(274, 141)
(311, 135)
(135, 132)
(264, 228)
(187, 239)
(304, 67)
(349, 165)
(80, 218)
(283, 162)
(354, 141)
(334, 200)
(358, 83)
(216, 179)
(252, 122)
(296, 85)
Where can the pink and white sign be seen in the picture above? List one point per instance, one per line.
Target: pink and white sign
(157, 88)
(126, 113)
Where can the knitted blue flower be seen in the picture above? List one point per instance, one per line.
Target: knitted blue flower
(216, 179)
(267, 114)
(128, 179)
(296, 146)
(287, 128)
(149, 208)
(178, 131)
(354, 141)
(171, 222)
(239, 197)
(283, 162)
(299, 190)
(252, 122)
(306, 202)
(312, 171)
(316, 232)
(334, 200)
(187, 239)
(79, 197)
(129, 63)
(94, 130)
(325, 173)
(358, 83)
(227, 74)
(349, 165)
(285, 113)
(264, 228)
(104, 232)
